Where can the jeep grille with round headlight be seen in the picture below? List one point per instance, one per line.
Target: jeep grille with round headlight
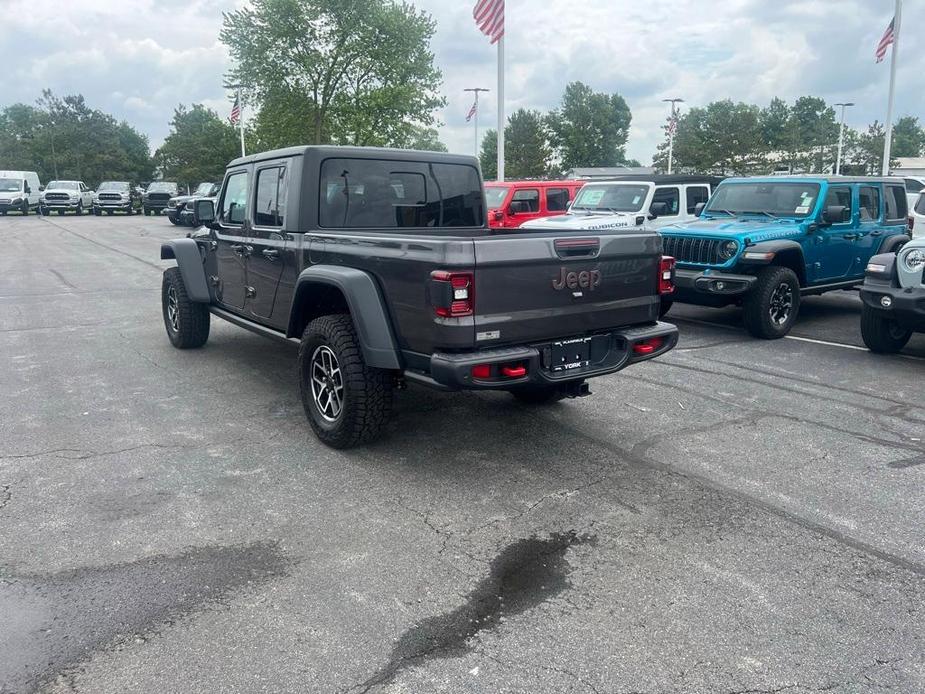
(914, 260)
(728, 249)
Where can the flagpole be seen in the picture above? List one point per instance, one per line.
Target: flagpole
(888, 140)
(501, 108)
(241, 120)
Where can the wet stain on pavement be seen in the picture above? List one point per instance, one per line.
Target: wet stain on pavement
(52, 623)
(908, 462)
(524, 575)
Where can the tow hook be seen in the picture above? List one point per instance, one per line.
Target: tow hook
(576, 389)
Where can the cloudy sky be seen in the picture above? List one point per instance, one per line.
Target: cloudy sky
(138, 59)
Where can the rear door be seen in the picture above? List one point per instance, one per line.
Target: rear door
(544, 286)
(671, 196)
(694, 194)
(267, 245)
(870, 226)
(229, 233)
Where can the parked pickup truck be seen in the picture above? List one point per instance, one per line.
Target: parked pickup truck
(655, 201)
(763, 243)
(894, 298)
(381, 266)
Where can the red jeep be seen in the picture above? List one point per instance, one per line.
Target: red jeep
(512, 203)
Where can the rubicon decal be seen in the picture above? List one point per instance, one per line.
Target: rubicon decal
(583, 279)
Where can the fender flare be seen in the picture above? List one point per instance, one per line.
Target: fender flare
(189, 260)
(892, 244)
(367, 309)
(776, 247)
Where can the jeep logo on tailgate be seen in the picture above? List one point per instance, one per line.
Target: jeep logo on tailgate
(585, 279)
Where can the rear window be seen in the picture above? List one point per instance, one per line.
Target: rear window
(870, 203)
(897, 207)
(385, 194)
(557, 199)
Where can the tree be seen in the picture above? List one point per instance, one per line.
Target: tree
(425, 139)
(908, 138)
(774, 120)
(589, 128)
(722, 137)
(488, 156)
(62, 137)
(199, 146)
(526, 148)
(361, 71)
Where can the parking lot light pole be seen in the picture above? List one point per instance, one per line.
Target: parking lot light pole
(841, 136)
(672, 127)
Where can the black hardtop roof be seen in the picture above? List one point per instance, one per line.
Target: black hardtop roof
(659, 179)
(334, 151)
(810, 178)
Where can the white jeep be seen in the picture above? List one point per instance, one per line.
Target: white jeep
(629, 201)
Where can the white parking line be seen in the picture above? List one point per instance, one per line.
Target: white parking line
(824, 342)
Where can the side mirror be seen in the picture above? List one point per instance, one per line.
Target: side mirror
(203, 212)
(498, 215)
(26, 189)
(658, 209)
(699, 208)
(836, 214)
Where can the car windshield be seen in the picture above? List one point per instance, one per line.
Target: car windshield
(162, 187)
(767, 198)
(204, 189)
(10, 185)
(622, 197)
(113, 185)
(494, 196)
(62, 185)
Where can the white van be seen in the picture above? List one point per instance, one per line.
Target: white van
(20, 191)
(655, 201)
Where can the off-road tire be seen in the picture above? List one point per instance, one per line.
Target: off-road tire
(367, 392)
(192, 328)
(758, 303)
(881, 333)
(537, 395)
(667, 303)
(173, 220)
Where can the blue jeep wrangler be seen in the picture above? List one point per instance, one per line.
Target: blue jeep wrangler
(763, 243)
(894, 298)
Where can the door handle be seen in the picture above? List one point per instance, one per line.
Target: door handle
(876, 233)
(850, 237)
(270, 254)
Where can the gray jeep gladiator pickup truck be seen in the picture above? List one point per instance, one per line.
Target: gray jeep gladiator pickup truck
(380, 264)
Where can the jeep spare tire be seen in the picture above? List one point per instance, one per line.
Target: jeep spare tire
(346, 402)
(772, 305)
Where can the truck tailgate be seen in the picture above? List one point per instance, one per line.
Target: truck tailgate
(537, 287)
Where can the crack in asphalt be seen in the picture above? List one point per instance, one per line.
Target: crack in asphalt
(523, 575)
(86, 455)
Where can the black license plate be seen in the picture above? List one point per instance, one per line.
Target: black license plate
(568, 355)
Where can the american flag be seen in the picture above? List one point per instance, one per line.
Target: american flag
(889, 36)
(489, 16)
(672, 127)
(235, 111)
(472, 111)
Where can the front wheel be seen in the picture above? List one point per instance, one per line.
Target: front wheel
(187, 321)
(881, 333)
(346, 402)
(771, 307)
(25, 208)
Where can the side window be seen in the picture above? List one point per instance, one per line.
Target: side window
(870, 203)
(913, 186)
(920, 204)
(839, 195)
(557, 199)
(527, 200)
(696, 195)
(270, 206)
(897, 206)
(669, 196)
(234, 200)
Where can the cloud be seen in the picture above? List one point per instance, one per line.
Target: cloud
(139, 59)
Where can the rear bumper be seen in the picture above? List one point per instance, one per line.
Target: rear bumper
(907, 304)
(454, 371)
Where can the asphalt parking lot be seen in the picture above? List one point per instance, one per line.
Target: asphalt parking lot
(738, 516)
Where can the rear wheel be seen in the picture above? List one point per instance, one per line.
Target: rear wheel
(881, 333)
(346, 402)
(187, 321)
(771, 307)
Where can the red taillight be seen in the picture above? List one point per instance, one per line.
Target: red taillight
(481, 371)
(666, 275)
(648, 346)
(452, 293)
(517, 371)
